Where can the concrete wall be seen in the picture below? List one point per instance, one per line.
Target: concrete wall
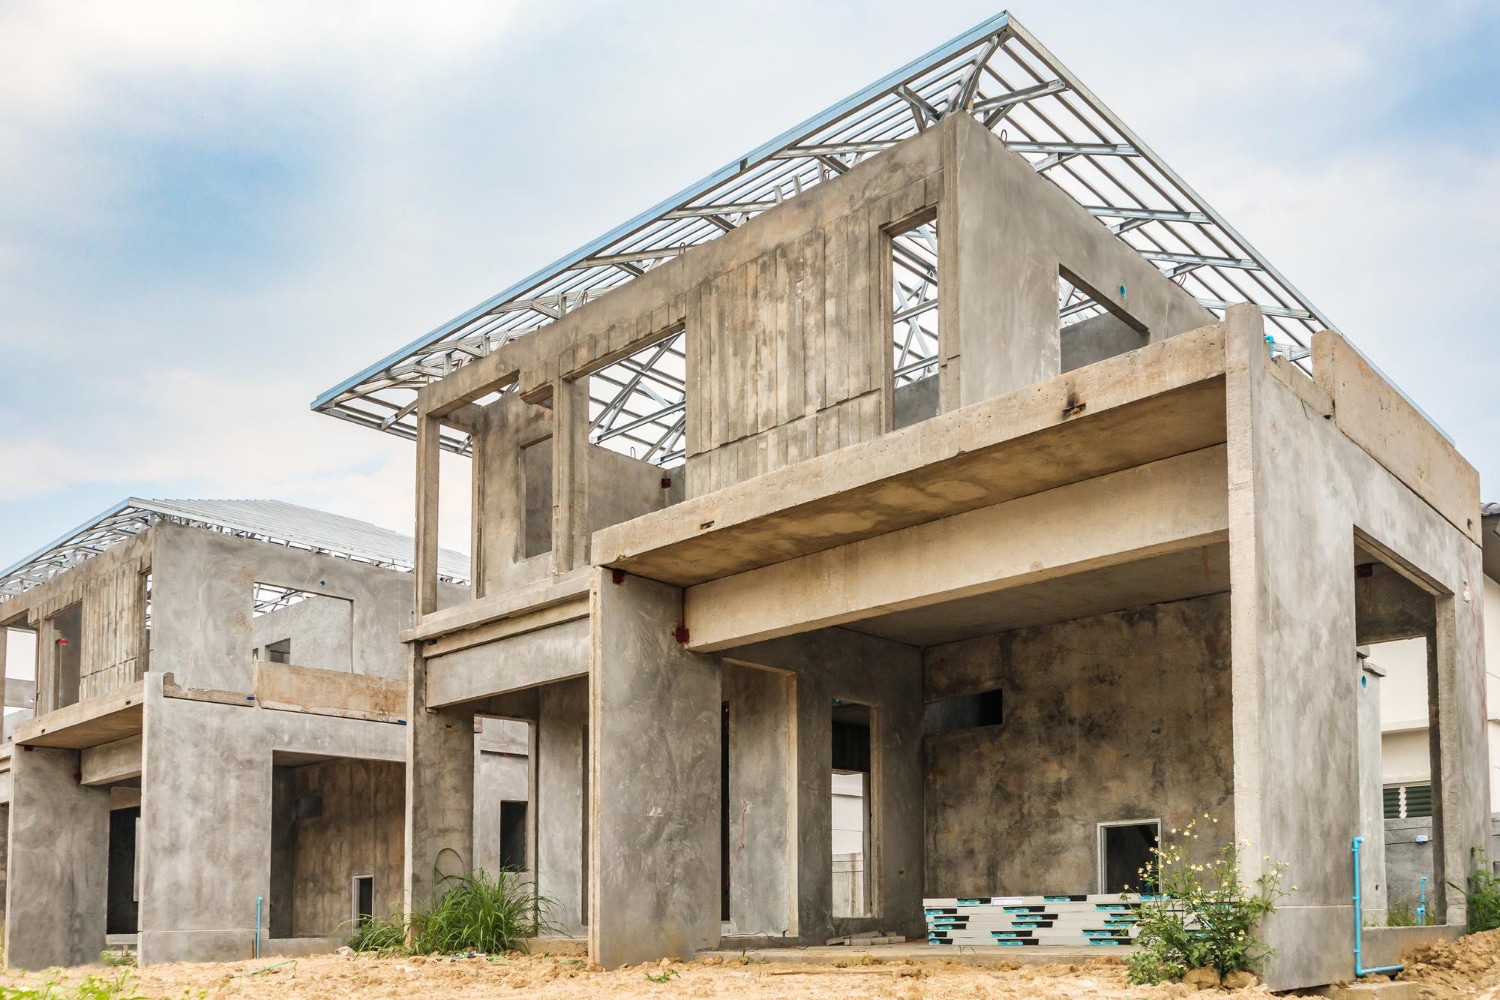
(319, 629)
(202, 626)
(1292, 547)
(502, 773)
(1115, 717)
(204, 866)
(561, 802)
(59, 842)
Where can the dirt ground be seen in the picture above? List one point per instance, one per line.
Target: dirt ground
(1469, 967)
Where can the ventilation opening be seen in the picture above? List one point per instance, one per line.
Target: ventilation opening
(638, 405)
(970, 711)
(914, 322)
(851, 786)
(301, 627)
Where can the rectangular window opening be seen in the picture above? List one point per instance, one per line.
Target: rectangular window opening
(850, 809)
(638, 405)
(1125, 851)
(536, 479)
(914, 322)
(1092, 325)
(301, 628)
(20, 677)
(67, 655)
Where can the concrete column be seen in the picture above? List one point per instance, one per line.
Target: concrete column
(425, 559)
(439, 790)
(59, 862)
(762, 800)
(570, 474)
(654, 799)
(1373, 882)
(561, 759)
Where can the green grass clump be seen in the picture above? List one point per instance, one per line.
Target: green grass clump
(476, 913)
(1400, 913)
(480, 913)
(381, 935)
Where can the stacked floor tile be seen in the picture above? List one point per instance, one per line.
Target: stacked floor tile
(1018, 921)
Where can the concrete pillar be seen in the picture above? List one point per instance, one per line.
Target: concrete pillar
(59, 862)
(762, 800)
(562, 758)
(439, 790)
(1373, 882)
(654, 718)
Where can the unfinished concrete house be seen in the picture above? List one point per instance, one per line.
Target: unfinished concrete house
(216, 765)
(941, 500)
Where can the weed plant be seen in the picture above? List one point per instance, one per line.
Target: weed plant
(1196, 914)
(1482, 895)
(477, 913)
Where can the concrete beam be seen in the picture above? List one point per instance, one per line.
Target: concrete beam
(1174, 504)
(529, 660)
(111, 762)
(1165, 399)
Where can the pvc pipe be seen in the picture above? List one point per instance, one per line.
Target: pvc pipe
(1359, 969)
(1422, 905)
(261, 899)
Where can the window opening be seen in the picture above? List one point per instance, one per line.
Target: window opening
(914, 323)
(638, 405)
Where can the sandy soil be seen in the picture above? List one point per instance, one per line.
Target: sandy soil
(1469, 967)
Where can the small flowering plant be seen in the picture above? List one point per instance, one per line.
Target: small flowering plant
(1201, 913)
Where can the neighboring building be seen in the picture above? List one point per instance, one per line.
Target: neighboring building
(924, 449)
(217, 758)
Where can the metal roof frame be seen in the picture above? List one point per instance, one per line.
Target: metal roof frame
(997, 72)
(271, 521)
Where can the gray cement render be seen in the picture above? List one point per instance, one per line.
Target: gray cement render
(204, 867)
(1295, 687)
(58, 870)
(654, 805)
(1123, 716)
(1220, 472)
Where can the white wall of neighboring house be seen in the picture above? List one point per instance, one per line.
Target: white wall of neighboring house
(1403, 702)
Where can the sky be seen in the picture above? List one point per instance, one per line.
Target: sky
(210, 213)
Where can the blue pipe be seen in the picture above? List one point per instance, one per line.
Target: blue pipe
(1359, 969)
(261, 899)
(1422, 905)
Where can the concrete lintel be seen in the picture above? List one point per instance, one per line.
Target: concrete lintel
(111, 762)
(545, 617)
(1162, 400)
(89, 723)
(1166, 506)
(508, 605)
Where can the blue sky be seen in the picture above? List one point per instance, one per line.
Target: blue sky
(209, 213)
